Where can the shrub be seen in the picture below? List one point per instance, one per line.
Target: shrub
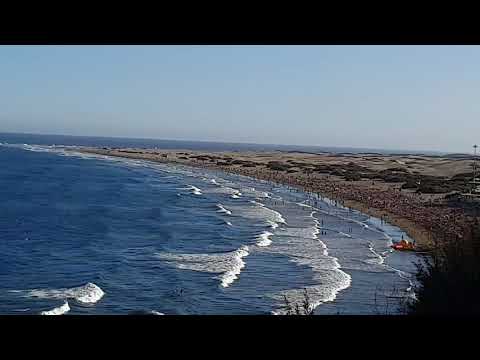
(337, 173)
(278, 166)
(306, 308)
(352, 177)
(449, 278)
(410, 184)
(393, 178)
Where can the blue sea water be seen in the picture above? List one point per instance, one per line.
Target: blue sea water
(86, 234)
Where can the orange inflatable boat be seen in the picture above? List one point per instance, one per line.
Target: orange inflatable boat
(403, 245)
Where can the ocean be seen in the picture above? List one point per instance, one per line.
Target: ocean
(89, 234)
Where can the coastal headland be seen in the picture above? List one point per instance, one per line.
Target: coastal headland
(423, 195)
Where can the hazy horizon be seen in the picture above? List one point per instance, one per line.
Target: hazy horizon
(236, 142)
(419, 98)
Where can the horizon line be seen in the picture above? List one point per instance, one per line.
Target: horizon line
(233, 142)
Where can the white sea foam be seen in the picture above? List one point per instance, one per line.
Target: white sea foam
(86, 294)
(146, 312)
(236, 195)
(346, 218)
(327, 274)
(407, 277)
(301, 232)
(377, 263)
(251, 191)
(221, 189)
(153, 312)
(222, 209)
(58, 310)
(228, 223)
(36, 148)
(272, 224)
(228, 265)
(195, 190)
(304, 205)
(22, 310)
(264, 239)
(304, 248)
(268, 214)
(379, 259)
(313, 253)
(330, 284)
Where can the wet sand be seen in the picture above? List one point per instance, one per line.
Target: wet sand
(409, 191)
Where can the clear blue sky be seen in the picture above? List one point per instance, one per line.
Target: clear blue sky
(394, 97)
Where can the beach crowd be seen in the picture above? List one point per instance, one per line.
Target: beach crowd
(434, 217)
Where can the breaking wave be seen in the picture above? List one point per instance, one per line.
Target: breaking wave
(222, 209)
(228, 265)
(86, 294)
(63, 309)
(194, 190)
(264, 238)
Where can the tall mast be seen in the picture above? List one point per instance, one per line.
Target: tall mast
(475, 167)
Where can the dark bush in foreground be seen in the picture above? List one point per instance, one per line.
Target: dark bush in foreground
(449, 279)
(305, 308)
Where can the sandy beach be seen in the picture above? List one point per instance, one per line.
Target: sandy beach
(420, 194)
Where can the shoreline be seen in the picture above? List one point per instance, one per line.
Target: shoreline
(422, 217)
(421, 236)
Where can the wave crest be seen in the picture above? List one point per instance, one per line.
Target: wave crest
(63, 309)
(222, 209)
(89, 293)
(264, 239)
(228, 265)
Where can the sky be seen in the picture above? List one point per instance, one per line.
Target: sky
(388, 97)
